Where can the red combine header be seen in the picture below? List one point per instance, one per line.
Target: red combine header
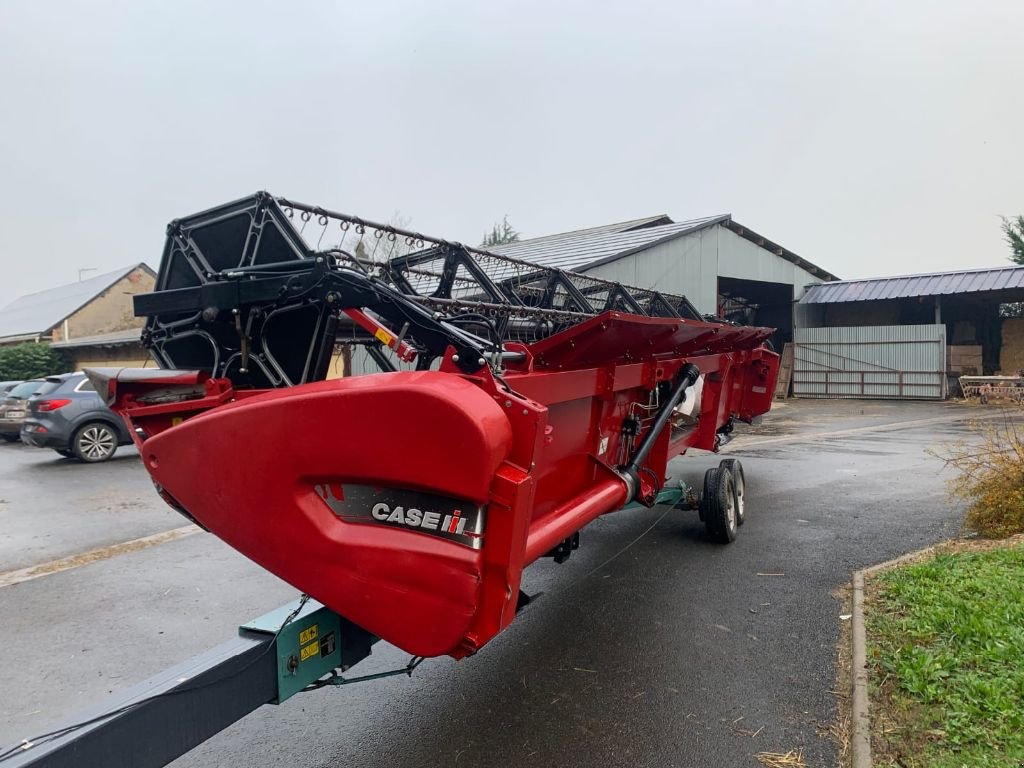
(515, 404)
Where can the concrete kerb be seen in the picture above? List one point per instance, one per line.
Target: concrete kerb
(860, 715)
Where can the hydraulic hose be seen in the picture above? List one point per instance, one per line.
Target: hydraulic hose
(687, 376)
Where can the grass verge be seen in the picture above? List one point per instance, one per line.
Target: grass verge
(946, 660)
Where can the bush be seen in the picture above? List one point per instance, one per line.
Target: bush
(991, 477)
(30, 361)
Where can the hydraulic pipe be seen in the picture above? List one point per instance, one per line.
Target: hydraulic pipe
(563, 522)
(687, 376)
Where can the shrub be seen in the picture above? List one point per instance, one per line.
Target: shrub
(990, 475)
(30, 361)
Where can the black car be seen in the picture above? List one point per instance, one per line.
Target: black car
(67, 415)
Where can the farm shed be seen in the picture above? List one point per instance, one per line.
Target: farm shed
(908, 336)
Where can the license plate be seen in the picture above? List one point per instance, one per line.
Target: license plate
(15, 414)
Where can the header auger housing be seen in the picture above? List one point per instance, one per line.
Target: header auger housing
(516, 404)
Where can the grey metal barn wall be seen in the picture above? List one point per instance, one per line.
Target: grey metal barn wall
(362, 363)
(692, 264)
(688, 264)
(887, 362)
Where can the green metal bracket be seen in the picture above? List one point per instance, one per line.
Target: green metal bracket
(671, 494)
(308, 647)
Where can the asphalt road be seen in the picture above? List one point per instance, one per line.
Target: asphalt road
(650, 647)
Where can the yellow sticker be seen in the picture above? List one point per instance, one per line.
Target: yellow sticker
(309, 651)
(383, 336)
(308, 634)
(175, 421)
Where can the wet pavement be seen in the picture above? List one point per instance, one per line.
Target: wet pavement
(649, 647)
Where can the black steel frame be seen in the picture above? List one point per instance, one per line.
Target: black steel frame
(178, 709)
(229, 273)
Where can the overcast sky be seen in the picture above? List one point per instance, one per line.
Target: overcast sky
(872, 138)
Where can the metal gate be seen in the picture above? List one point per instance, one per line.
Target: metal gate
(899, 362)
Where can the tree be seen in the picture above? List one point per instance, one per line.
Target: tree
(30, 361)
(1013, 229)
(500, 234)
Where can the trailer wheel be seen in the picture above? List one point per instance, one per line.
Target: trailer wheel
(705, 495)
(719, 505)
(734, 466)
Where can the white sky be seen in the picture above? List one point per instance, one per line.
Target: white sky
(872, 138)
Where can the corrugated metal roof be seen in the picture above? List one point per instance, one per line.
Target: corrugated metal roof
(38, 312)
(619, 226)
(585, 247)
(934, 284)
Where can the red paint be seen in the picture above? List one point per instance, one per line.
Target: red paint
(246, 464)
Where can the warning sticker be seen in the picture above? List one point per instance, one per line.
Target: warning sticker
(310, 633)
(309, 651)
(383, 336)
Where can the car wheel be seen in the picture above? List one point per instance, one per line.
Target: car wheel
(94, 442)
(65, 452)
(11, 438)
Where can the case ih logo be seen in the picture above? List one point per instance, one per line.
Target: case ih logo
(440, 516)
(416, 518)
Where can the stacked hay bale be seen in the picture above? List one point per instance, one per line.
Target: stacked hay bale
(965, 359)
(1011, 353)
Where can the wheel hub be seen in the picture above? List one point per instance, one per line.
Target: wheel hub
(96, 442)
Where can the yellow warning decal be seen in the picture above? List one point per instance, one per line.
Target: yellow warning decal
(308, 634)
(383, 336)
(176, 420)
(309, 651)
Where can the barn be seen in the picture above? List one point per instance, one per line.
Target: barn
(722, 266)
(92, 321)
(908, 337)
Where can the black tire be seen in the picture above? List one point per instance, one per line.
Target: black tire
(65, 452)
(740, 484)
(94, 442)
(720, 506)
(11, 438)
(705, 495)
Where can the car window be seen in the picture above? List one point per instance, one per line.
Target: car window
(48, 387)
(24, 389)
(85, 386)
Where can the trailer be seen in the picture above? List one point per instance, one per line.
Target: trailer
(986, 388)
(515, 404)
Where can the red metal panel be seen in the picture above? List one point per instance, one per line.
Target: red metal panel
(615, 337)
(537, 450)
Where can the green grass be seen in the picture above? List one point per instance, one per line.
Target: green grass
(946, 652)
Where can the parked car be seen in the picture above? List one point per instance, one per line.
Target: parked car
(7, 386)
(13, 408)
(67, 415)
